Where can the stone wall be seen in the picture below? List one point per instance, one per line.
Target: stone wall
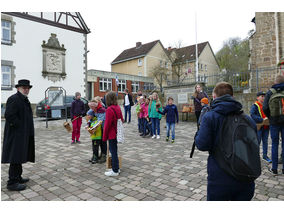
(266, 48)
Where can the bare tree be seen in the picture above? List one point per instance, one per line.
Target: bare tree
(178, 62)
(160, 74)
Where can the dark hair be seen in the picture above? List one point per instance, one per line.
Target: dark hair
(223, 88)
(111, 98)
(170, 98)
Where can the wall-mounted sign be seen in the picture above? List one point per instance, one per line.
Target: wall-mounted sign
(182, 98)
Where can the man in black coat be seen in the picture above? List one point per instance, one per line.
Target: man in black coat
(18, 142)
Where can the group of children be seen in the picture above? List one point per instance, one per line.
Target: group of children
(102, 126)
(149, 113)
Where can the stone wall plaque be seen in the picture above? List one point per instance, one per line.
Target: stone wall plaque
(53, 59)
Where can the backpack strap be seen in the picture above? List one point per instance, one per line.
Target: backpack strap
(273, 90)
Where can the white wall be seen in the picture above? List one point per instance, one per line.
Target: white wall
(26, 55)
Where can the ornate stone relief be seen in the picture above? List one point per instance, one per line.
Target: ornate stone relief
(53, 59)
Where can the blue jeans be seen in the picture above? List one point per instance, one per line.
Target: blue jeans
(274, 132)
(127, 109)
(171, 127)
(114, 156)
(147, 129)
(140, 125)
(155, 126)
(262, 134)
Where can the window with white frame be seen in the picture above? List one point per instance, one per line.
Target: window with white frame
(121, 85)
(6, 76)
(140, 62)
(105, 84)
(135, 86)
(201, 66)
(148, 86)
(6, 32)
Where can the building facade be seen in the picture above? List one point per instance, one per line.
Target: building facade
(141, 59)
(184, 64)
(49, 49)
(99, 82)
(266, 48)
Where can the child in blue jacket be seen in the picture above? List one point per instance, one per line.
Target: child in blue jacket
(172, 118)
(257, 114)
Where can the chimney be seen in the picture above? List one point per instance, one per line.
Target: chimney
(138, 44)
(169, 48)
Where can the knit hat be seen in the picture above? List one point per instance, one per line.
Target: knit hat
(260, 93)
(204, 100)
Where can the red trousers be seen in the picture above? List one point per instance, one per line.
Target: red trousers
(76, 128)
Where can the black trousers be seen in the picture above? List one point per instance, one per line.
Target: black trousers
(15, 173)
(96, 144)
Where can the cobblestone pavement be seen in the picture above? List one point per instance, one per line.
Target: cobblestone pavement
(151, 169)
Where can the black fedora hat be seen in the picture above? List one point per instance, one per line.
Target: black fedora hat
(23, 82)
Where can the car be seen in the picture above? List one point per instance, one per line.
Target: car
(58, 112)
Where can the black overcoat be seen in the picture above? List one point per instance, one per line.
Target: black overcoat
(18, 142)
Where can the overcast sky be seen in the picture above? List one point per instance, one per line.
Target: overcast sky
(117, 25)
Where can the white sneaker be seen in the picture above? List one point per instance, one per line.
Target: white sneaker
(158, 137)
(154, 136)
(108, 170)
(111, 173)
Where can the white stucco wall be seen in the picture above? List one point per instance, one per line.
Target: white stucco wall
(26, 55)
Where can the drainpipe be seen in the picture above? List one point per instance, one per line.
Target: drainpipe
(86, 68)
(277, 37)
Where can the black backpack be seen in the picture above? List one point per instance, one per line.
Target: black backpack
(237, 150)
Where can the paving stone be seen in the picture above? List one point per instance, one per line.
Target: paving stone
(71, 198)
(129, 199)
(31, 194)
(85, 196)
(183, 182)
(120, 196)
(182, 198)
(117, 187)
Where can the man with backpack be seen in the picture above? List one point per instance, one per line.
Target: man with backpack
(231, 140)
(273, 107)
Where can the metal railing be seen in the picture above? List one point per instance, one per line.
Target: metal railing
(251, 80)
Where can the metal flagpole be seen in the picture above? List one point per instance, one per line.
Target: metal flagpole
(196, 50)
(117, 83)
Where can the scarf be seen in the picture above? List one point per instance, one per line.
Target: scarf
(261, 113)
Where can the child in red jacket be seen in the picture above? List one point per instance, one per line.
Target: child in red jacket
(113, 113)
